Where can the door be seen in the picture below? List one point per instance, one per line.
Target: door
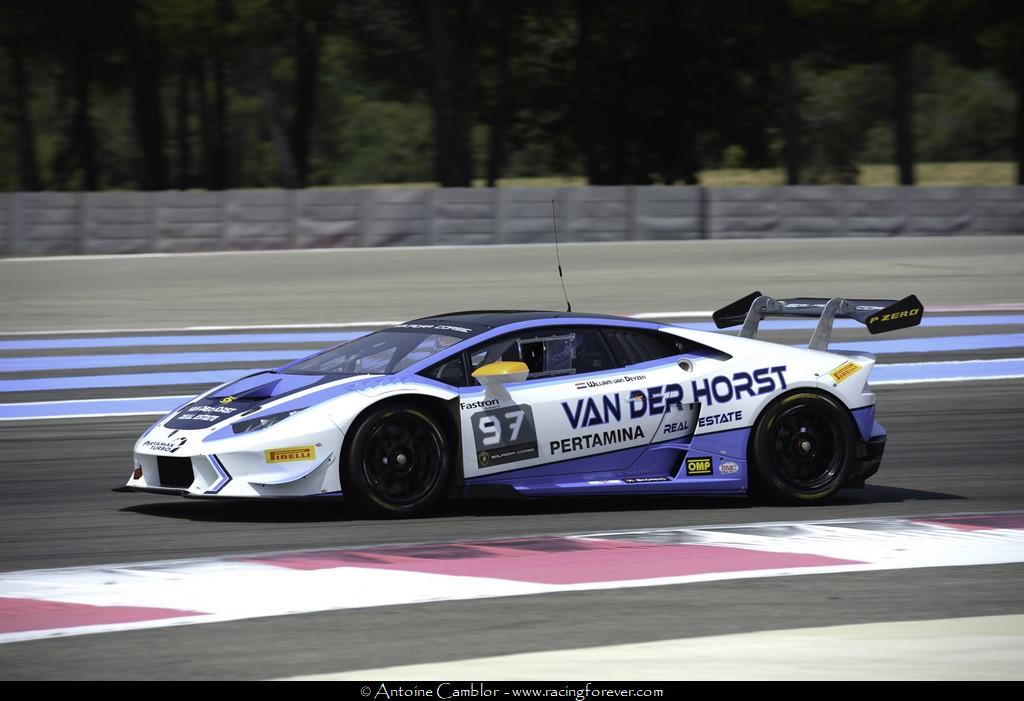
(578, 411)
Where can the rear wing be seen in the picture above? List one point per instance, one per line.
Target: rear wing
(879, 315)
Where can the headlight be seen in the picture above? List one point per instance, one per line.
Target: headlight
(250, 425)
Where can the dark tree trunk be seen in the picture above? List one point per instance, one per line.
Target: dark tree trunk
(1019, 135)
(790, 123)
(149, 128)
(82, 141)
(63, 160)
(206, 130)
(220, 124)
(447, 39)
(278, 134)
(904, 115)
(583, 115)
(498, 132)
(28, 170)
(181, 127)
(688, 165)
(307, 73)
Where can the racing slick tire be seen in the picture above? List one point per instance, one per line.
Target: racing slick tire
(801, 449)
(398, 463)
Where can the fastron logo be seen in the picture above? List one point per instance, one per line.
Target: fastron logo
(480, 404)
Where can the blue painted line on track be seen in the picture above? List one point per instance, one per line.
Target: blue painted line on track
(144, 379)
(75, 362)
(204, 340)
(927, 322)
(340, 336)
(90, 407)
(974, 369)
(903, 372)
(933, 345)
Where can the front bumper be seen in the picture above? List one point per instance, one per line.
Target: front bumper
(234, 475)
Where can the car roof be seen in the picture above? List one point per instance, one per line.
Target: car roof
(492, 319)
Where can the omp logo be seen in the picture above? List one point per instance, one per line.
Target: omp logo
(227, 400)
(698, 466)
(844, 371)
(305, 452)
(895, 315)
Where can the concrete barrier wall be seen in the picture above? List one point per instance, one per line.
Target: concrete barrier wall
(58, 223)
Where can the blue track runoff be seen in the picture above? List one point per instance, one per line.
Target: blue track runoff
(328, 337)
(936, 371)
(948, 370)
(934, 344)
(141, 379)
(903, 372)
(90, 407)
(78, 362)
(220, 339)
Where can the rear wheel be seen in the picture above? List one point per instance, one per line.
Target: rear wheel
(398, 463)
(801, 449)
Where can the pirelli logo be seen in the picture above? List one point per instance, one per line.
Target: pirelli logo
(698, 466)
(843, 371)
(305, 452)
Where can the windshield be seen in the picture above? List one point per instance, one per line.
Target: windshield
(380, 353)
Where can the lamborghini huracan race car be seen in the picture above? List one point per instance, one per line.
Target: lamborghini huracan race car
(539, 404)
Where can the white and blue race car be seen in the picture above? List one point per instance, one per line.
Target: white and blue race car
(539, 404)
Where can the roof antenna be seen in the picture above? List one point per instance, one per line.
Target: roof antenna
(558, 258)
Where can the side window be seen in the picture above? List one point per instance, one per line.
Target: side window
(548, 352)
(632, 346)
(451, 371)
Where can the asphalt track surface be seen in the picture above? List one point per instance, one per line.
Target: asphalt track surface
(954, 447)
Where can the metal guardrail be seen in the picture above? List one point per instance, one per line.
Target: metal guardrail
(61, 223)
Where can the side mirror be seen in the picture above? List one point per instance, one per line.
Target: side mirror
(501, 373)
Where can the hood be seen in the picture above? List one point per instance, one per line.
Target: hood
(244, 396)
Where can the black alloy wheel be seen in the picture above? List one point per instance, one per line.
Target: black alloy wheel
(398, 463)
(801, 448)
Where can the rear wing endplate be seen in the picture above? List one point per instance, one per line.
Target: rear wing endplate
(879, 315)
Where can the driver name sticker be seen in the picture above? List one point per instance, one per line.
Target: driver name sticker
(504, 435)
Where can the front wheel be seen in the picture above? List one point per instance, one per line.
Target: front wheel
(801, 449)
(398, 462)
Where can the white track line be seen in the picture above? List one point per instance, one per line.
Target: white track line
(977, 648)
(386, 250)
